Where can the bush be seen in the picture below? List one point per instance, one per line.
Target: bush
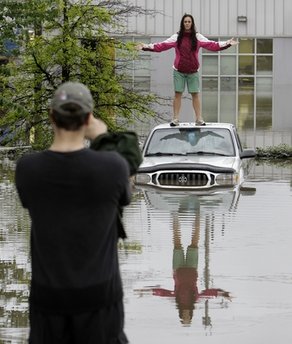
(282, 151)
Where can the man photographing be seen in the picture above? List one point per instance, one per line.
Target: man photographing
(73, 194)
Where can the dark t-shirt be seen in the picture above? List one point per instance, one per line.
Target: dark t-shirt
(73, 201)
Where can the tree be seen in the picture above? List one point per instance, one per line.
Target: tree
(62, 40)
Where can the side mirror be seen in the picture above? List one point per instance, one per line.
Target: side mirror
(247, 153)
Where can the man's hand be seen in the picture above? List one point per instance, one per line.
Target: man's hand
(94, 128)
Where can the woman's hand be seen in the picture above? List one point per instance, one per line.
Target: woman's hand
(140, 46)
(232, 41)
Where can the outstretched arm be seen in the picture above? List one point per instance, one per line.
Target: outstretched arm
(215, 292)
(233, 41)
(229, 43)
(213, 45)
(157, 291)
(159, 47)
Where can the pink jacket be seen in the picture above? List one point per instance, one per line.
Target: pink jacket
(186, 61)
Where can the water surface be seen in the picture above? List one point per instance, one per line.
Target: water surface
(240, 243)
(244, 248)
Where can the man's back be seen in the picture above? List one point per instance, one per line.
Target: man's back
(73, 200)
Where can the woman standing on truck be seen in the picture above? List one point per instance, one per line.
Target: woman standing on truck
(187, 43)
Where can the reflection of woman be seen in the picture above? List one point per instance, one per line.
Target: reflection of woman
(185, 271)
(185, 274)
(187, 43)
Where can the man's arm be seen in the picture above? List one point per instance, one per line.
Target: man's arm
(94, 128)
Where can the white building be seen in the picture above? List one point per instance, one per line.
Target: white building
(249, 85)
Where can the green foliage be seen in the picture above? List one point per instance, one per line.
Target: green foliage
(282, 151)
(58, 41)
(134, 247)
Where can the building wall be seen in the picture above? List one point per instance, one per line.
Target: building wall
(282, 84)
(216, 17)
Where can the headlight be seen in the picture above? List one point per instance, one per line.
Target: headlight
(227, 179)
(142, 178)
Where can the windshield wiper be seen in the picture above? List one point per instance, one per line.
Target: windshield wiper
(163, 154)
(206, 153)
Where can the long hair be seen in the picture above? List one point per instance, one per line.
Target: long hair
(181, 32)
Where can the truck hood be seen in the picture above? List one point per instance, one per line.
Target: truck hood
(189, 162)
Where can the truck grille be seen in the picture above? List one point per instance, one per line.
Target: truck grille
(183, 179)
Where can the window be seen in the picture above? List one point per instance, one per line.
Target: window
(246, 65)
(264, 103)
(210, 98)
(227, 99)
(245, 102)
(210, 67)
(264, 46)
(228, 65)
(237, 84)
(246, 46)
(264, 65)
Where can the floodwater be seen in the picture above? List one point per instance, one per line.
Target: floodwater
(234, 286)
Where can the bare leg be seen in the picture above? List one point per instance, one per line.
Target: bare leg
(196, 230)
(176, 232)
(176, 104)
(197, 106)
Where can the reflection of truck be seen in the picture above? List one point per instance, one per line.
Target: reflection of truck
(222, 201)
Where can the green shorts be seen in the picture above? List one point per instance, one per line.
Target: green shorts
(179, 260)
(181, 79)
